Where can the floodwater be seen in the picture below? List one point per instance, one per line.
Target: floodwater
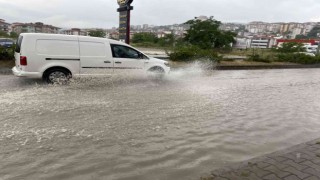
(134, 128)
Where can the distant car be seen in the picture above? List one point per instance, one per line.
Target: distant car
(7, 43)
(312, 48)
(306, 53)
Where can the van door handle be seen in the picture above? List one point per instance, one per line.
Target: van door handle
(107, 62)
(118, 62)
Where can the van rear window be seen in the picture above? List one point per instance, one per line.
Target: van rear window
(19, 42)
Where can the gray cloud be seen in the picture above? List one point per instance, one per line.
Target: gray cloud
(102, 13)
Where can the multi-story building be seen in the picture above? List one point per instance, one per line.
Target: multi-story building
(256, 27)
(74, 31)
(37, 27)
(289, 30)
(296, 31)
(145, 26)
(242, 43)
(4, 26)
(231, 26)
(274, 27)
(262, 42)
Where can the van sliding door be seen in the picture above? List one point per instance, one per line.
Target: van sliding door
(95, 59)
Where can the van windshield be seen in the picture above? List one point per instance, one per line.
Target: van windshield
(19, 42)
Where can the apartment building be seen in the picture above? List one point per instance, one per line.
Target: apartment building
(262, 42)
(4, 26)
(259, 42)
(37, 27)
(256, 27)
(74, 31)
(291, 30)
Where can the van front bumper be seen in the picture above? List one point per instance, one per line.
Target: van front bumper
(21, 73)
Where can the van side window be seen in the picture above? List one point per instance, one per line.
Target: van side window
(119, 51)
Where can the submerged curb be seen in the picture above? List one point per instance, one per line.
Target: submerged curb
(8, 71)
(253, 67)
(298, 162)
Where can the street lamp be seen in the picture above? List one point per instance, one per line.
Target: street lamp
(124, 19)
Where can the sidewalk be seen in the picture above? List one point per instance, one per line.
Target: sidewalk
(301, 162)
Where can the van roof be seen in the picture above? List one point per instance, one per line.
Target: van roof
(70, 37)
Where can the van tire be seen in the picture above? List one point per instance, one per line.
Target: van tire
(156, 72)
(57, 76)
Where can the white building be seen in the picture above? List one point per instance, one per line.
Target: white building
(242, 43)
(74, 31)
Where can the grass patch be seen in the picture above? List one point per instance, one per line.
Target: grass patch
(7, 63)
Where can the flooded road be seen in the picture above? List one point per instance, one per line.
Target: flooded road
(134, 128)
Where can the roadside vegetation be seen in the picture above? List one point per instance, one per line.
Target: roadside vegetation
(7, 53)
(202, 41)
(288, 53)
(7, 57)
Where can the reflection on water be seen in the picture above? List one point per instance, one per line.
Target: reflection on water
(128, 127)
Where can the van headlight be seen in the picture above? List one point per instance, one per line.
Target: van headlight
(167, 64)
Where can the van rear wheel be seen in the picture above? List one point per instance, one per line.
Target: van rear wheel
(57, 76)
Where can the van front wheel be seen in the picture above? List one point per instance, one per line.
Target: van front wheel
(57, 76)
(156, 73)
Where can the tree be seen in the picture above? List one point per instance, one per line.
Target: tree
(14, 35)
(97, 33)
(206, 34)
(167, 40)
(144, 37)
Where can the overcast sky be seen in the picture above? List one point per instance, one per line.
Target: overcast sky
(102, 13)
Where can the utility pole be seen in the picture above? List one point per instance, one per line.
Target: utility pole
(124, 19)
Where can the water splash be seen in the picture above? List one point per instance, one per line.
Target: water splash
(195, 69)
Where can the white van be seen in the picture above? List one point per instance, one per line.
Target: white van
(56, 58)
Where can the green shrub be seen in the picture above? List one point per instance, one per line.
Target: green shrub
(191, 53)
(258, 58)
(298, 58)
(7, 53)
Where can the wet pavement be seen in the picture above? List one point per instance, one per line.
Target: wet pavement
(125, 127)
(295, 163)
